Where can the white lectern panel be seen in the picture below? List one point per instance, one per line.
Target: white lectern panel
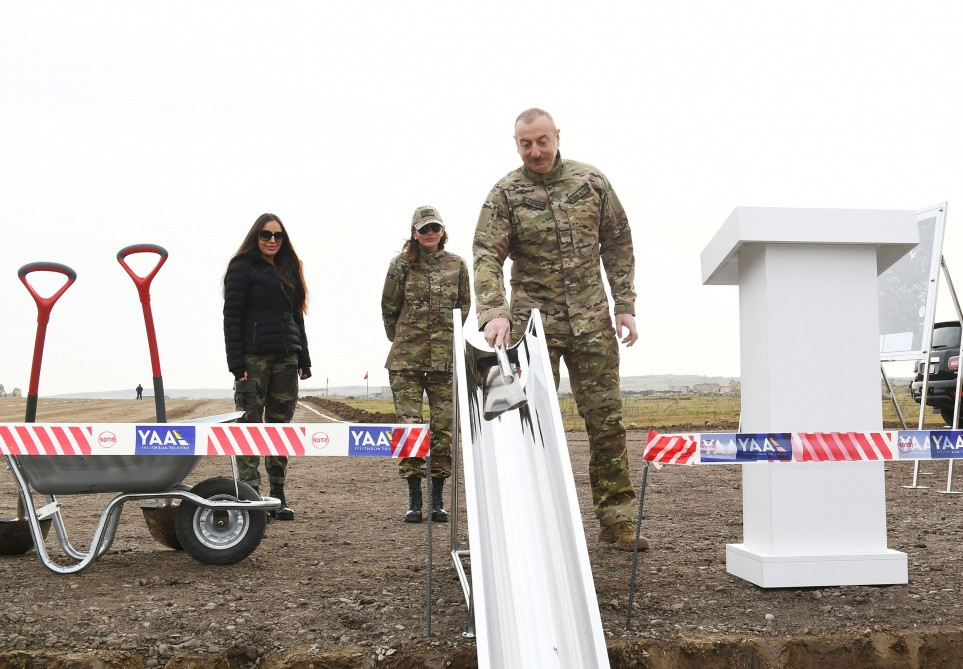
(808, 310)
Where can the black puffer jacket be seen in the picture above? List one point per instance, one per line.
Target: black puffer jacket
(258, 318)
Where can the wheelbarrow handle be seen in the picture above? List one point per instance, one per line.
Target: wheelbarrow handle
(142, 282)
(44, 305)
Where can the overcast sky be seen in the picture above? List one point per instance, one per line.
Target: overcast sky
(178, 123)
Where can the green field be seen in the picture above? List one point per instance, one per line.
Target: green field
(721, 412)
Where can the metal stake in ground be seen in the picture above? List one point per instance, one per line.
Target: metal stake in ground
(635, 553)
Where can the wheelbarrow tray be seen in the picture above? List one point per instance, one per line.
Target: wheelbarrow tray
(80, 474)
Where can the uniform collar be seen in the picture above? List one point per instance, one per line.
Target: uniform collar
(425, 254)
(548, 177)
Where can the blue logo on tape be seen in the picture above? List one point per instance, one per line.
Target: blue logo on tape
(369, 440)
(913, 444)
(946, 444)
(731, 447)
(164, 440)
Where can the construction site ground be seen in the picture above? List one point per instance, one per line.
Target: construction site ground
(346, 584)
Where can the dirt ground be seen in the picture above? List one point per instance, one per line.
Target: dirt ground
(346, 584)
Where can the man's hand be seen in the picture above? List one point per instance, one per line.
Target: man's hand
(623, 321)
(497, 331)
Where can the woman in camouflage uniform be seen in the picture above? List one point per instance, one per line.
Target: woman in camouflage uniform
(424, 284)
(265, 299)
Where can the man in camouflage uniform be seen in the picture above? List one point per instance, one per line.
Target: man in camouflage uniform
(423, 285)
(556, 219)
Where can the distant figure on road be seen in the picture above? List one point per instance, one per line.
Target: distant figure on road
(423, 285)
(265, 298)
(140, 391)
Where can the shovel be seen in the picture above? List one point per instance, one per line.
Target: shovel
(143, 290)
(159, 517)
(502, 390)
(15, 537)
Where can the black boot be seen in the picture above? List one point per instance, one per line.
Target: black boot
(285, 512)
(257, 489)
(438, 513)
(413, 514)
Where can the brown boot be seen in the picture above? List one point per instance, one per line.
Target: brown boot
(622, 536)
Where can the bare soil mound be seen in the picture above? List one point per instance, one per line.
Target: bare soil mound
(348, 413)
(345, 584)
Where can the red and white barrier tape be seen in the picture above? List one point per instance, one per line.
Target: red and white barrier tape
(739, 448)
(292, 439)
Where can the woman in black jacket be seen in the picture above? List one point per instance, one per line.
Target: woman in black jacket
(265, 300)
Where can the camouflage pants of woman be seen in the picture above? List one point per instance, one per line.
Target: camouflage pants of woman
(269, 395)
(408, 389)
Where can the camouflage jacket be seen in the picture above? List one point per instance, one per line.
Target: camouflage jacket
(555, 227)
(416, 307)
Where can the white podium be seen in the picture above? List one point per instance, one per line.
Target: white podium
(809, 322)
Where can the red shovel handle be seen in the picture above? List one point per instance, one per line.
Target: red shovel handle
(143, 290)
(142, 282)
(44, 305)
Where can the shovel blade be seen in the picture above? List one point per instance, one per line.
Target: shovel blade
(15, 536)
(501, 394)
(160, 520)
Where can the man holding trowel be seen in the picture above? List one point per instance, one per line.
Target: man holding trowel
(556, 219)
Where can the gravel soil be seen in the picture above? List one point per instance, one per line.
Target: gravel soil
(345, 584)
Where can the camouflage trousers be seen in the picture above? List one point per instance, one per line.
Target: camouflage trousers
(408, 389)
(269, 395)
(592, 361)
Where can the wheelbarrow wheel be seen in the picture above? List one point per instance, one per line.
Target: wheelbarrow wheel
(219, 536)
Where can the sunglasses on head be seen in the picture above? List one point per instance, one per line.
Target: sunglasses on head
(431, 227)
(265, 235)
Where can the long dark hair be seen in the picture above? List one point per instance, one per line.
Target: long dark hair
(286, 262)
(410, 249)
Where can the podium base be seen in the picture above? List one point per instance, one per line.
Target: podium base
(887, 567)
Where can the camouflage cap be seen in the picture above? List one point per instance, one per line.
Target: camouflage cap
(425, 215)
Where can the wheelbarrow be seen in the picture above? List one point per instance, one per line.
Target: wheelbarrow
(218, 521)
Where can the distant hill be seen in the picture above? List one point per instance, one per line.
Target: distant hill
(172, 393)
(629, 384)
(664, 382)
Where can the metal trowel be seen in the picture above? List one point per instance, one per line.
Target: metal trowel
(502, 391)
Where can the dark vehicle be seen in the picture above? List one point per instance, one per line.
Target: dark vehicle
(944, 363)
